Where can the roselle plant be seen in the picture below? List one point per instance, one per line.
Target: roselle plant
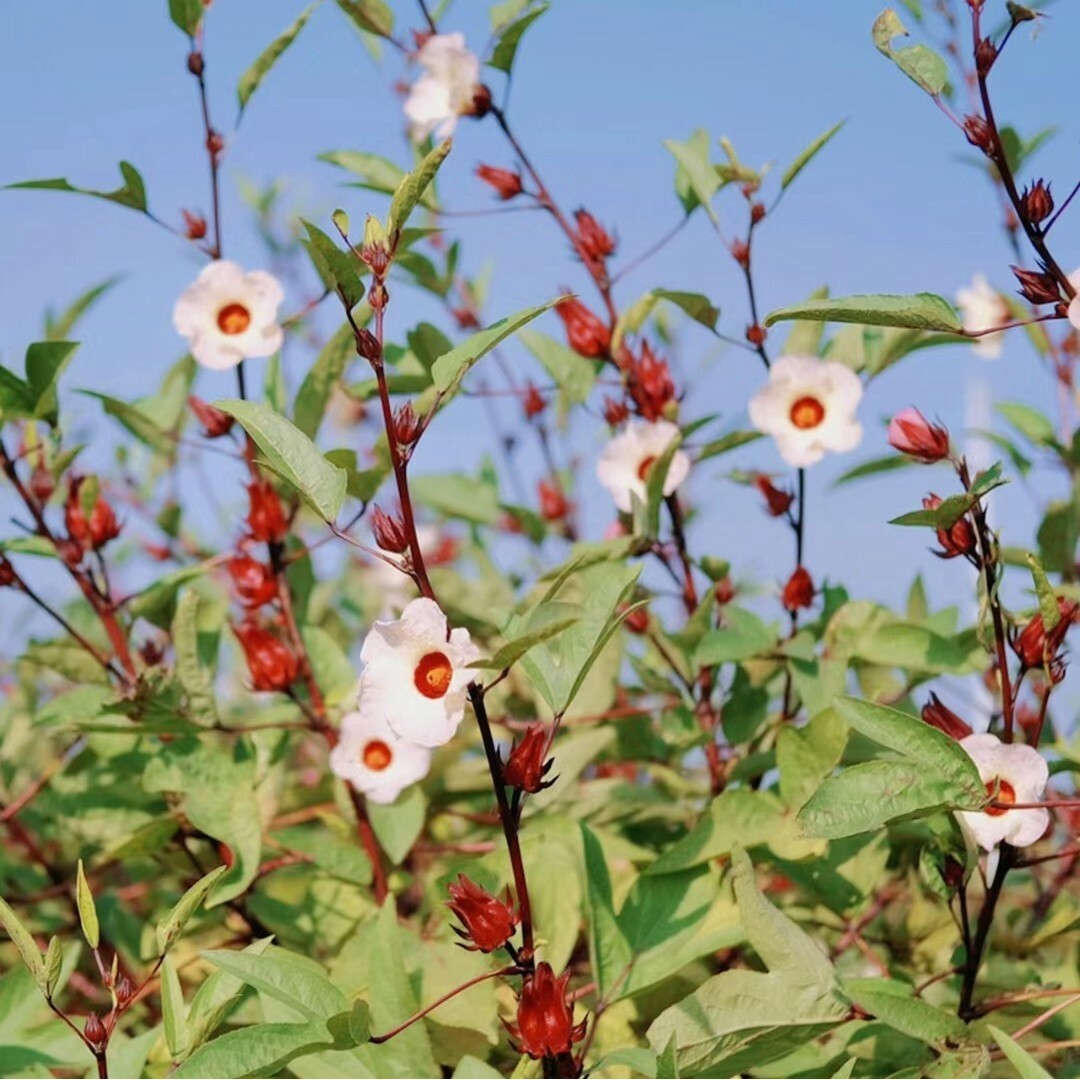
(384, 771)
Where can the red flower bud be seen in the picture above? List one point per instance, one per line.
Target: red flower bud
(194, 225)
(912, 434)
(944, 719)
(1036, 287)
(406, 426)
(756, 335)
(42, 483)
(649, 384)
(94, 532)
(94, 1030)
(740, 252)
(253, 582)
(271, 663)
(757, 212)
(389, 532)
(266, 516)
(637, 622)
(215, 422)
(526, 768)
(594, 241)
(367, 345)
(195, 63)
(978, 132)
(503, 182)
(1035, 646)
(465, 317)
(777, 501)
(799, 590)
(7, 573)
(545, 1019)
(124, 990)
(1037, 203)
(553, 502)
(585, 332)
(615, 412)
(215, 144)
(486, 921)
(533, 403)
(725, 590)
(481, 102)
(958, 539)
(985, 54)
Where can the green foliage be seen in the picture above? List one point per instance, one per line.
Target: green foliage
(921, 311)
(252, 79)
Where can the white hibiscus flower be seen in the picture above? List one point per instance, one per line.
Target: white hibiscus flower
(624, 465)
(228, 315)
(446, 89)
(982, 308)
(415, 674)
(808, 406)
(1018, 774)
(374, 760)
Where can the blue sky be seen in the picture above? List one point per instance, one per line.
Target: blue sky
(890, 206)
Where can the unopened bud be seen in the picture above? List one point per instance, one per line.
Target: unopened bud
(215, 144)
(215, 422)
(1036, 287)
(406, 425)
(637, 621)
(553, 503)
(124, 990)
(94, 1030)
(195, 63)
(724, 590)
(985, 55)
(194, 225)
(756, 335)
(389, 532)
(533, 403)
(978, 132)
(912, 434)
(740, 252)
(1020, 13)
(367, 345)
(799, 590)
(1037, 202)
(7, 573)
(378, 296)
(615, 412)
(42, 483)
(503, 182)
(481, 102)
(940, 716)
(757, 212)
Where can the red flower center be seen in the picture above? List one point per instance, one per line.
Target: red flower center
(233, 318)
(807, 413)
(433, 675)
(376, 755)
(1006, 793)
(645, 466)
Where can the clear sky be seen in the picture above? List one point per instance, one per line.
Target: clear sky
(890, 206)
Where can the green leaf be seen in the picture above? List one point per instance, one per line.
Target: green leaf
(872, 467)
(57, 327)
(376, 173)
(411, 190)
(804, 159)
(187, 14)
(338, 270)
(173, 1012)
(46, 361)
(742, 636)
(1031, 423)
(953, 508)
(23, 941)
(169, 929)
(216, 995)
(915, 311)
(732, 441)
(87, 911)
(1048, 604)
(741, 1020)
(291, 455)
(194, 673)
(293, 980)
(370, 16)
(448, 371)
(398, 825)
(574, 375)
(315, 391)
(131, 194)
(134, 420)
(1026, 1066)
(510, 653)
(696, 180)
(919, 63)
(506, 47)
(920, 743)
(892, 1003)
(253, 77)
(256, 1050)
(609, 950)
(54, 962)
(458, 495)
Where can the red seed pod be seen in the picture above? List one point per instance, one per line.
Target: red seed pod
(912, 434)
(124, 990)
(266, 516)
(271, 663)
(215, 422)
(985, 54)
(585, 332)
(545, 1025)
(799, 590)
(1037, 203)
(649, 384)
(1037, 647)
(958, 539)
(553, 502)
(406, 425)
(215, 143)
(725, 590)
(466, 318)
(253, 582)
(481, 103)
(486, 921)
(756, 335)
(978, 132)
(1037, 287)
(367, 345)
(940, 716)
(94, 532)
(7, 573)
(757, 212)
(740, 252)
(526, 768)
(389, 532)
(42, 483)
(94, 1030)
(594, 241)
(615, 412)
(505, 183)
(777, 501)
(533, 403)
(194, 225)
